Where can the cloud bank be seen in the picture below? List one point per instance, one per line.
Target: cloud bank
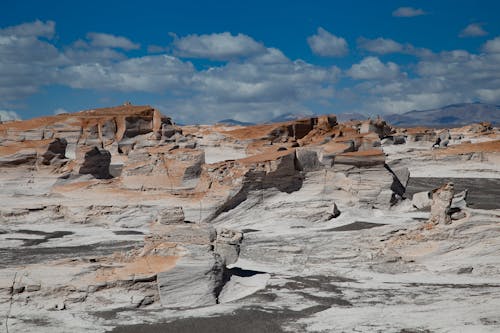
(248, 81)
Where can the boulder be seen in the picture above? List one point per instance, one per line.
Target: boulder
(173, 215)
(401, 176)
(307, 159)
(332, 213)
(227, 245)
(422, 200)
(56, 149)
(195, 281)
(459, 199)
(95, 162)
(442, 139)
(378, 126)
(200, 274)
(441, 203)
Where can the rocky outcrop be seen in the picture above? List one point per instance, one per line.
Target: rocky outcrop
(332, 213)
(56, 150)
(443, 138)
(164, 167)
(95, 161)
(200, 274)
(378, 126)
(227, 245)
(194, 282)
(441, 203)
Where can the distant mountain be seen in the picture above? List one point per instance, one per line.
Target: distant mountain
(232, 122)
(447, 116)
(342, 117)
(289, 117)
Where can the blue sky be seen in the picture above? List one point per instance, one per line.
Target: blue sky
(250, 61)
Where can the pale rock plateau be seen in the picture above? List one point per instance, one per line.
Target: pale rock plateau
(119, 220)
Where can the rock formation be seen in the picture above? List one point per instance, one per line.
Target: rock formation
(441, 203)
(285, 224)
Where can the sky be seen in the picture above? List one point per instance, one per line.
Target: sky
(201, 61)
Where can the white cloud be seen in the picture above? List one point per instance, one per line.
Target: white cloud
(80, 53)
(473, 30)
(148, 74)
(217, 46)
(448, 77)
(258, 82)
(385, 46)
(8, 115)
(26, 62)
(492, 46)
(371, 68)
(271, 56)
(254, 83)
(327, 45)
(408, 12)
(60, 111)
(112, 41)
(31, 29)
(380, 45)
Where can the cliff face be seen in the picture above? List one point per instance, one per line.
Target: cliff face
(105, 129)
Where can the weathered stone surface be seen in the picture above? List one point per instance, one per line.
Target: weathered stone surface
(458, 215)
(459, 199)
(308, 159)
(96, 162)
(194, 282)
(441, 203)
(422, 200)
(93, 244)
(174, 215)
(227, 245)
(443, 138)
(332, 213)
(23, 157)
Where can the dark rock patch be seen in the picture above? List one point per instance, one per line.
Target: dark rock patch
(358, 225)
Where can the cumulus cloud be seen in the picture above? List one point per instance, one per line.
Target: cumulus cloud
(31, 29)
(254, 83)
(112, 41)
(371, 68)
(445, 78)
(217, 46)
(473, 30)
(8, 115)
(408, 12)
(385, 46)
(147, 74)
(256, 90)
(492, 46)
(380, 45)
(26, 61)
(325, 44)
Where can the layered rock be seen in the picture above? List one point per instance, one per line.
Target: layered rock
(164, 167)
(200, 274)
